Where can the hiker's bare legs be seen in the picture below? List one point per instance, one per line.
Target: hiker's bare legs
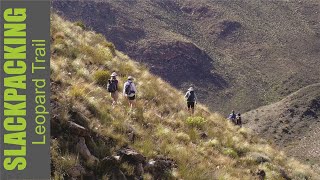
(191, 111)
(131, 104)
(114, 98)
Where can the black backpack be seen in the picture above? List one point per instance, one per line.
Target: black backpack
(112, 86)
(191, 96)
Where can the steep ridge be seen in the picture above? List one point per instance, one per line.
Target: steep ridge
(255, 52)
(158, 139)
(292, 123)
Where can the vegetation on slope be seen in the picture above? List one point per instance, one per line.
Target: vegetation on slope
(86, 131)
(250, 53)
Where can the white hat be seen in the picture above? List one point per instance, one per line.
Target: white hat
(113, 74)
(190, 89)
(130, 78)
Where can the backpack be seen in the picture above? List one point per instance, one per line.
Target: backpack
(128, 89)
(232, 116)
(112, 86)
(191, 96)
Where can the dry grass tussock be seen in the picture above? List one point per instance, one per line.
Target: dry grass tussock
(82, 60)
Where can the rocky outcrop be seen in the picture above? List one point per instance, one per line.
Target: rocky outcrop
(259, 157)
(76, 172)
(159, 166)
(77, 129)
(85, 152)
(261, 174)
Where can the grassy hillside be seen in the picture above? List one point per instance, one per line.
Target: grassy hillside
(91, 140)
(293, 123)
(239, 54)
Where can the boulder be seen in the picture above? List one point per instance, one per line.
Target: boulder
(261, 174)
(75, 128)
(109, 164)
(85, 153)
(159, 166)
(284, 174)
(76, 171)
(131, 156)
(259, 157)
(118, 175)
(203, 135)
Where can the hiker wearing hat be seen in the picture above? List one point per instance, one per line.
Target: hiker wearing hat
(112, 87)
(239, 120)
(232, 117)
(191, 100)
(129, 91)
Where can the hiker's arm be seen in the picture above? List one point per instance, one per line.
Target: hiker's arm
(134, 88)
(195, 98)
(124, 89)
(117, 83)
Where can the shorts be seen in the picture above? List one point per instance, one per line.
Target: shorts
(114, 95)
(132, 98)
(238, 121)
(190, 105)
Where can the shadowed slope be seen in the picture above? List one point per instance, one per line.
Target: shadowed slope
(292, 123)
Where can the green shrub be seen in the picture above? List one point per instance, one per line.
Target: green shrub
(62, 49)
(196, 121)
(230, 152)
(111, 46)
(183, 137)
(77, 91)
(97, 55)
(213, 143)
(101, 77)
(80, 24)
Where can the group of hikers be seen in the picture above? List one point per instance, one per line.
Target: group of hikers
(235, 118)
(129, 91)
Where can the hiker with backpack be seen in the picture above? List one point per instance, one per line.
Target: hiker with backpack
(112, 87)
(129, 91)
(232, 117)
(238, 120)
(191, 100)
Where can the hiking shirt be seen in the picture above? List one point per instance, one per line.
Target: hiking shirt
(132, 88)
(188, 94)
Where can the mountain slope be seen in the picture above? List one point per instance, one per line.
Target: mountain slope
(157, 140)
(292, 123)
(239, 54)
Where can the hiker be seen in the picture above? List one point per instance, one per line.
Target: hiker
(238, 120)
(232, 117)
(129, 91)
(191, 100)
(112, 87)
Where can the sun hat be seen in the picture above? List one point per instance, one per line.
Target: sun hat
(130, 78)
(113, 74)
(190, 89)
